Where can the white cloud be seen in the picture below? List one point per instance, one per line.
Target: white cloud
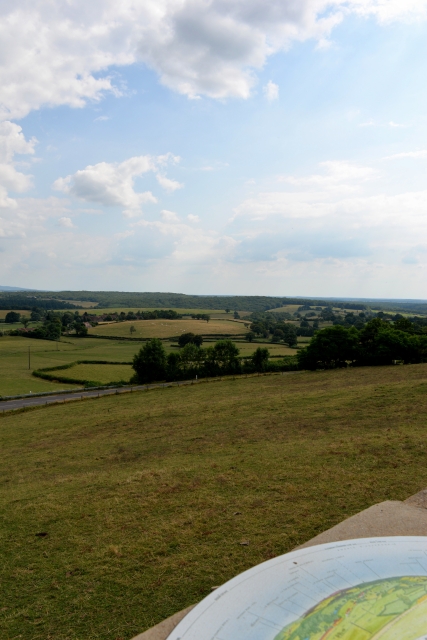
(333, 216)
(166, 183)
(169, 216)
(13, 142)
(112, 184)
(59, 53)
(271, 91)
(337, 175)
(421, 154)
(390, 10)
(66, 222)
(193, 218)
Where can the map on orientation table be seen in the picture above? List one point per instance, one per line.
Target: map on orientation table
(366, 589)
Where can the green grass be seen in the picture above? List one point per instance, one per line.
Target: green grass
(145, 498)
(102, 373)
(16, 378)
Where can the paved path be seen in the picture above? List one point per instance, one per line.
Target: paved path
(20, 403)
(38, 401)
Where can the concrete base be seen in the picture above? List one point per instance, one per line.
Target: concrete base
(164, 628)
(390, 518)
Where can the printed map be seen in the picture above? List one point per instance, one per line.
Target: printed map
(368, 589)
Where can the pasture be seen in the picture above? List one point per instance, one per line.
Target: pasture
(16, 377)
(100, 373)
(169, 328)
(120, 511)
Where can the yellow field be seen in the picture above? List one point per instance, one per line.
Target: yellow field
(168, 328)
(289, 308)
(4, 312)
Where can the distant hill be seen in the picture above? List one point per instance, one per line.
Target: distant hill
(167, 300)
(16, 298)
(5, 288)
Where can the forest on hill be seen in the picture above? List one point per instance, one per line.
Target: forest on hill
(160, 300)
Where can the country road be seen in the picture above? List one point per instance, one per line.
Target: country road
(39, 401)
(21, 403)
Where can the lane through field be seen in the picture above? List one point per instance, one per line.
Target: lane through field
(62, 398)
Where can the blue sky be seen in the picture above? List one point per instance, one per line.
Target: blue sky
(215, 146)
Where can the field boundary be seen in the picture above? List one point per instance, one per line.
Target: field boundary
(46, 374)
(220, 336)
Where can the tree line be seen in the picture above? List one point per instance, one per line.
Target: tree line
(378, 343)
(152, 363)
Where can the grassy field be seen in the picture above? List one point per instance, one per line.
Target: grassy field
(16, 378)
(289, 308)
(117, 512)
(168, 328)
(4, 312)
(102, 373)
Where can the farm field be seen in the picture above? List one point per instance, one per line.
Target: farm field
(4, 312)
(214, 313)
(143, 501)
(289, 308)
(16, 378)
(102, 373)
(168, 328)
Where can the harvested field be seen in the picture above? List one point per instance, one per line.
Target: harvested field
(168, 328)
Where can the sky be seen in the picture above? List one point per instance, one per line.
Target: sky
(253, 147)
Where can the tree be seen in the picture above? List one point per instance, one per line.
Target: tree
(403, 324)
(25, 321)
(132, 329)
(227, 310)
(290, 335)
(185, 338)
(222, 359)
(250, 336)
(190, 338)
(330, 348)
(236, 315)
(52, 328)
(81, 329)
(173, 369)
(260, 359)
(191, 359)
(36, 315)
(150, 363)
(12, 317)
